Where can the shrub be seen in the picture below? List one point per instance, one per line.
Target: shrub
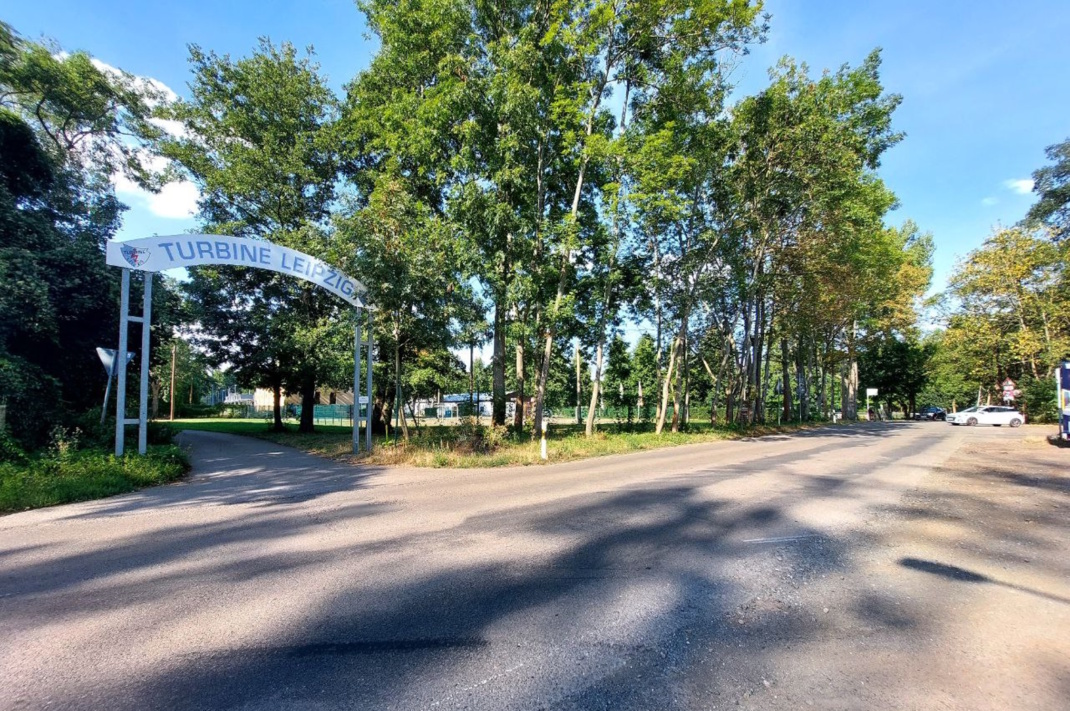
(197, 410)
(80, 475)
(63, 442)
(1038, 397)
(10, 449)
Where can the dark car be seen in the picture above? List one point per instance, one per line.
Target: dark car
(931, 413)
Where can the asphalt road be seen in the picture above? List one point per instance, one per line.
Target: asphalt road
(828, 569)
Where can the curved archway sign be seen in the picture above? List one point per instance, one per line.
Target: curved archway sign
(155, 254)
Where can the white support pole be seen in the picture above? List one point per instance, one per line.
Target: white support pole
(120, 363)
(368, 417)
(356, 384)
(143, 394)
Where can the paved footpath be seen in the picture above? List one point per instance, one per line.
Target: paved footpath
(875, 566)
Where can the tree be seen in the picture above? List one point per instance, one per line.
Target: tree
(409, 259)
(614, 43)
(1007, 314)
(899, 369)
(1052, 186)
(260, 142)
(64, 127)
(94, 119)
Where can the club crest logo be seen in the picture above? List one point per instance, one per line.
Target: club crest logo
(135, 257)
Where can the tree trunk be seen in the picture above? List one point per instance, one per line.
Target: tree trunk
(471, 376)
(788, 413)
(399, 396)
(579, 390)
(663, 405)
(308, 402)
(596, 385)
(518, 414)
(849, 390)
(498, 395)
(276, 407)
(677, 393)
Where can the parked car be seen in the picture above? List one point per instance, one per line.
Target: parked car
(931, 413)
(991, 415)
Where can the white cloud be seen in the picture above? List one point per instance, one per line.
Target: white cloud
(139, 81)
(175, 201)
(1022, 186)
(175, 128)
(989, 201)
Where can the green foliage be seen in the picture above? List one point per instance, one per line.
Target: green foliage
(66, 127)
(1039, 400)
(1008, 313)
(899, 369)
(260, 143)
(89, 117)
(10, 449)
(1052, 185)
(65, 474)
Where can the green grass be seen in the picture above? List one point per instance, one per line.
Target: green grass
(446, 445)
(49, 479)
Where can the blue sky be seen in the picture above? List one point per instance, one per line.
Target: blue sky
(985, 84)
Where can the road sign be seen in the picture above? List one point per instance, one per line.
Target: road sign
(107, 357)
(871, 392)
(1009, 385)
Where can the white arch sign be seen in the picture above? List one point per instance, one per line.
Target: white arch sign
(155, 254)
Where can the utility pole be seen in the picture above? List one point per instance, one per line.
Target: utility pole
(172, 398)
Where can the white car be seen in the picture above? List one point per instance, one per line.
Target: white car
(990, 415)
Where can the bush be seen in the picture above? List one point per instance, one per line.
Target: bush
(195, 411)
(1038, 397)
(468, 437)
(10, 449)
(61, 476)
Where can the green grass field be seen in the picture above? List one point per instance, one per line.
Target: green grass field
(454, 446)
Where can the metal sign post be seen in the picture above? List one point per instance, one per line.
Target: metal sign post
(356, 385)
(1009, 390)
(368, 416)
(121, 420)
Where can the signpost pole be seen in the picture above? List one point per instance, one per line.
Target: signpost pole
(120, 385)
(368, 416)
(356, 384)
(107, 395)
(143, 394)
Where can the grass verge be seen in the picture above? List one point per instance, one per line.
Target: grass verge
(446, 446)
(49, 479)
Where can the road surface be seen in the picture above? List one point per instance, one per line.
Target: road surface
(872, 566)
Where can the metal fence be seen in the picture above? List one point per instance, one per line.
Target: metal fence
(322, 414)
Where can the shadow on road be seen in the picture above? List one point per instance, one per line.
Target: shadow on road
(664, 573)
